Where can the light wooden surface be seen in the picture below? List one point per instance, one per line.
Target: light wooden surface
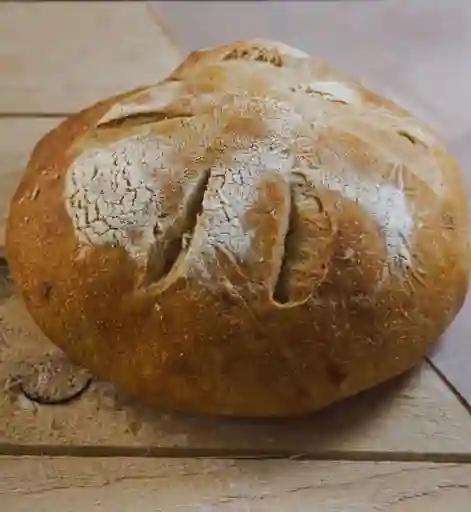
(167, 485)
(61, 56)
(403, 447)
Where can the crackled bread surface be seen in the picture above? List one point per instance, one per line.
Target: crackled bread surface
(258, 234)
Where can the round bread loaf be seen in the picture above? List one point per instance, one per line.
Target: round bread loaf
(256, 235)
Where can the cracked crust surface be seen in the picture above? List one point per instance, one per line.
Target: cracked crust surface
(258, 234)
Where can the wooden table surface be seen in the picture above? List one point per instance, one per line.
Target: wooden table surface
(403, 447)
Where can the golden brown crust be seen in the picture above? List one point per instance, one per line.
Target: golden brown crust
(256, 235)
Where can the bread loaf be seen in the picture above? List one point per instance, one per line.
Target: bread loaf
(257, 235)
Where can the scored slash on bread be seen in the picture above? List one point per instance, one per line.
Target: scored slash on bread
(257, 234)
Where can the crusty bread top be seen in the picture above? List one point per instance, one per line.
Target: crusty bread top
(255, 170)
(275, 118)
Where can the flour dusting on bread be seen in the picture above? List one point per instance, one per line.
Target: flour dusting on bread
(110, 196)
(114, 193)
(385, 203)
(233, 192)
(333, 91)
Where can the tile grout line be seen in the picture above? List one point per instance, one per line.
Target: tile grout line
(97, 451)
(34, 115)
(156, 20)
(449, 385)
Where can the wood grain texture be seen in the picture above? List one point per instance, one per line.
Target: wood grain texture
(154, 485)
(407, 418)
(17, 139)
(62, 56)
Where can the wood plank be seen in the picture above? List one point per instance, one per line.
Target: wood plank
(61, 56)
(17, 139)
(152, 485)
(407, 418)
